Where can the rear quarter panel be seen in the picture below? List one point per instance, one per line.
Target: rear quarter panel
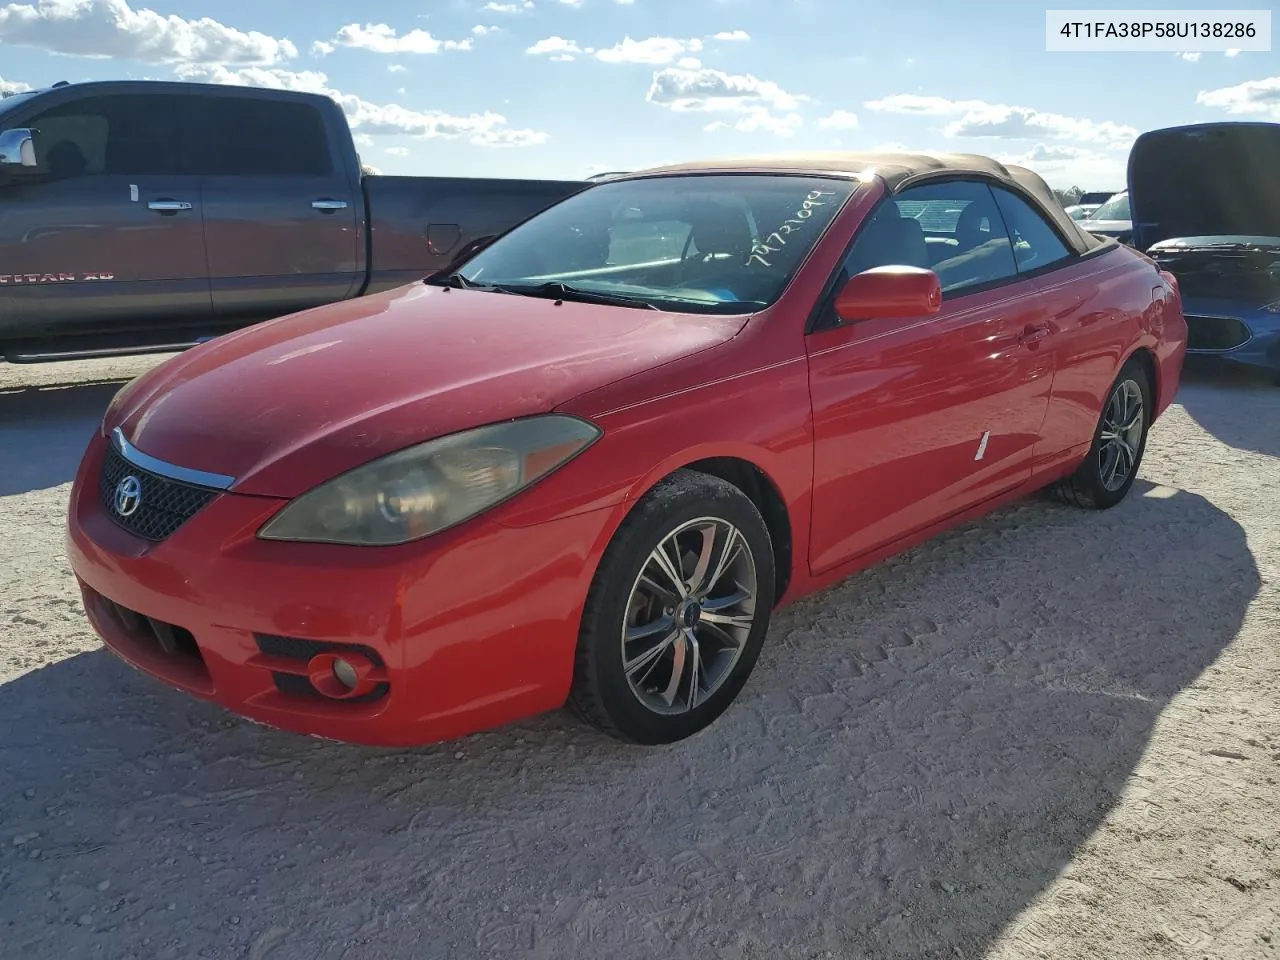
(1103, 309)
(417, 223)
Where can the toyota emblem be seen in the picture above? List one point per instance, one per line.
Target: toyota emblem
(128, 496)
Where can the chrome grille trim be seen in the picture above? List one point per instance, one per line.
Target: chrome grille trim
(170, 471)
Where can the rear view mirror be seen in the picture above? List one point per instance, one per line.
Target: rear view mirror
(17, 148)
(891, 291)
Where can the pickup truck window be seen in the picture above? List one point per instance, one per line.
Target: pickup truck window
(253, 137)
(694, 244)
(122, 135)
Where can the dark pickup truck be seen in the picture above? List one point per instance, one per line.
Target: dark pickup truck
(145, 216)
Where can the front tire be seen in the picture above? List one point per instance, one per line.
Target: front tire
(1119, 441)
(677, 612)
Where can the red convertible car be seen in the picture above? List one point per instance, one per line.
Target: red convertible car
(586, 464)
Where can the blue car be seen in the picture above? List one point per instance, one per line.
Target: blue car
(1205, 202)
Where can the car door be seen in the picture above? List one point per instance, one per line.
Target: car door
(281, 206)
(104, 234)
(915, 420)
(1080, 340)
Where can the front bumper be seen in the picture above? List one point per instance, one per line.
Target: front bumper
(1224, 330)
(465, 631)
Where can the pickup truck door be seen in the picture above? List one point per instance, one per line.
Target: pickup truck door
(283, 214)
(104, 235)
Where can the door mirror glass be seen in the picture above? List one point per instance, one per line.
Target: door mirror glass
(18, 148)
(890, 292)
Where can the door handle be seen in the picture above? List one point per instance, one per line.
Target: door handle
(168, 206)
(1034, 333)
(328, 206)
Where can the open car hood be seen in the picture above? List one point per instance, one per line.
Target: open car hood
(1206, 179)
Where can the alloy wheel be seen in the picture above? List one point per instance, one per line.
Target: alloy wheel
(1120, 440)
(689, 615)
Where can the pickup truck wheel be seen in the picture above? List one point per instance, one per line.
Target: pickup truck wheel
(1119, 441)
(677, 612)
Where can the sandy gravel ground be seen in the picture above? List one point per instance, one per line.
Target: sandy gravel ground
(1051, 734)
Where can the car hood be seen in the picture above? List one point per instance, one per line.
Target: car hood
(287, 404)
(1208, 179)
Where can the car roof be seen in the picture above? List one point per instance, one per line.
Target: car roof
(896, 170)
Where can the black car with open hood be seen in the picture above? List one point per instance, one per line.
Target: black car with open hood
(1205, 204)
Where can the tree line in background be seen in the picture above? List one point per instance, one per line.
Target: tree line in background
(1069, 196)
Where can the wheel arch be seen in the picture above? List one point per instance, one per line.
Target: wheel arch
(759, 486)
(1151, 367)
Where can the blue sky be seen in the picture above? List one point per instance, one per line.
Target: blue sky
(563, 88)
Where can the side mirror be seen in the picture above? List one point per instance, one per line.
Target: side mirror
(892, 291)
(17, 148)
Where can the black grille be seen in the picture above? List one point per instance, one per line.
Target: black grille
(1215, 333)
(293, 648)
(164, 505)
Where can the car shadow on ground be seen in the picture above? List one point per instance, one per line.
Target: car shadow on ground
(918, 754)
(44, 430)
(1216, 396)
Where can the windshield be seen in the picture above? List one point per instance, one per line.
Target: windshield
(696, 244)
(1117, 208)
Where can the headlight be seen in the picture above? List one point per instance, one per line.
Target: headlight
(432, 486)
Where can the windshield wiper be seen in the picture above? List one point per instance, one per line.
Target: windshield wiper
(562, 291)
(455, 280)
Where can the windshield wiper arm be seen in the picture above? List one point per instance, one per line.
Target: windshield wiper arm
(455, 280)
(562, 291)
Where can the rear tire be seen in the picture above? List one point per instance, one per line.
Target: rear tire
(1119, 441)
(676, 614)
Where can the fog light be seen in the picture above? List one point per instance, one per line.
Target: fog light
(341, 677)
(345, 673)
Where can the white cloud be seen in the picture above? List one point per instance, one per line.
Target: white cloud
(397, 151)
(1190, 57)
(397, 68)
(112, 29)
(486, 129)
(1251, 97)
(689, 63)
(839, 120)
(509, 7)
(761, 105)
(380, 38)
(653, 51)
(481, 30)
(1232, 52)
(761, 121)
(12, 86)
(740, 35)
(977, 118)
(572, 3)
(912, 103)
(1064, 165)
(564, 49)
(714, 90)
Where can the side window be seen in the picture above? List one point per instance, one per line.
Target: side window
(258, 137)
(129, 135)
(954, 228)
(1035, 243)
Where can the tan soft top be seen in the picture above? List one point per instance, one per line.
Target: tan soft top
(897, 171)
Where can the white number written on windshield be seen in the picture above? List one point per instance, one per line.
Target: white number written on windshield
(761, 250)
